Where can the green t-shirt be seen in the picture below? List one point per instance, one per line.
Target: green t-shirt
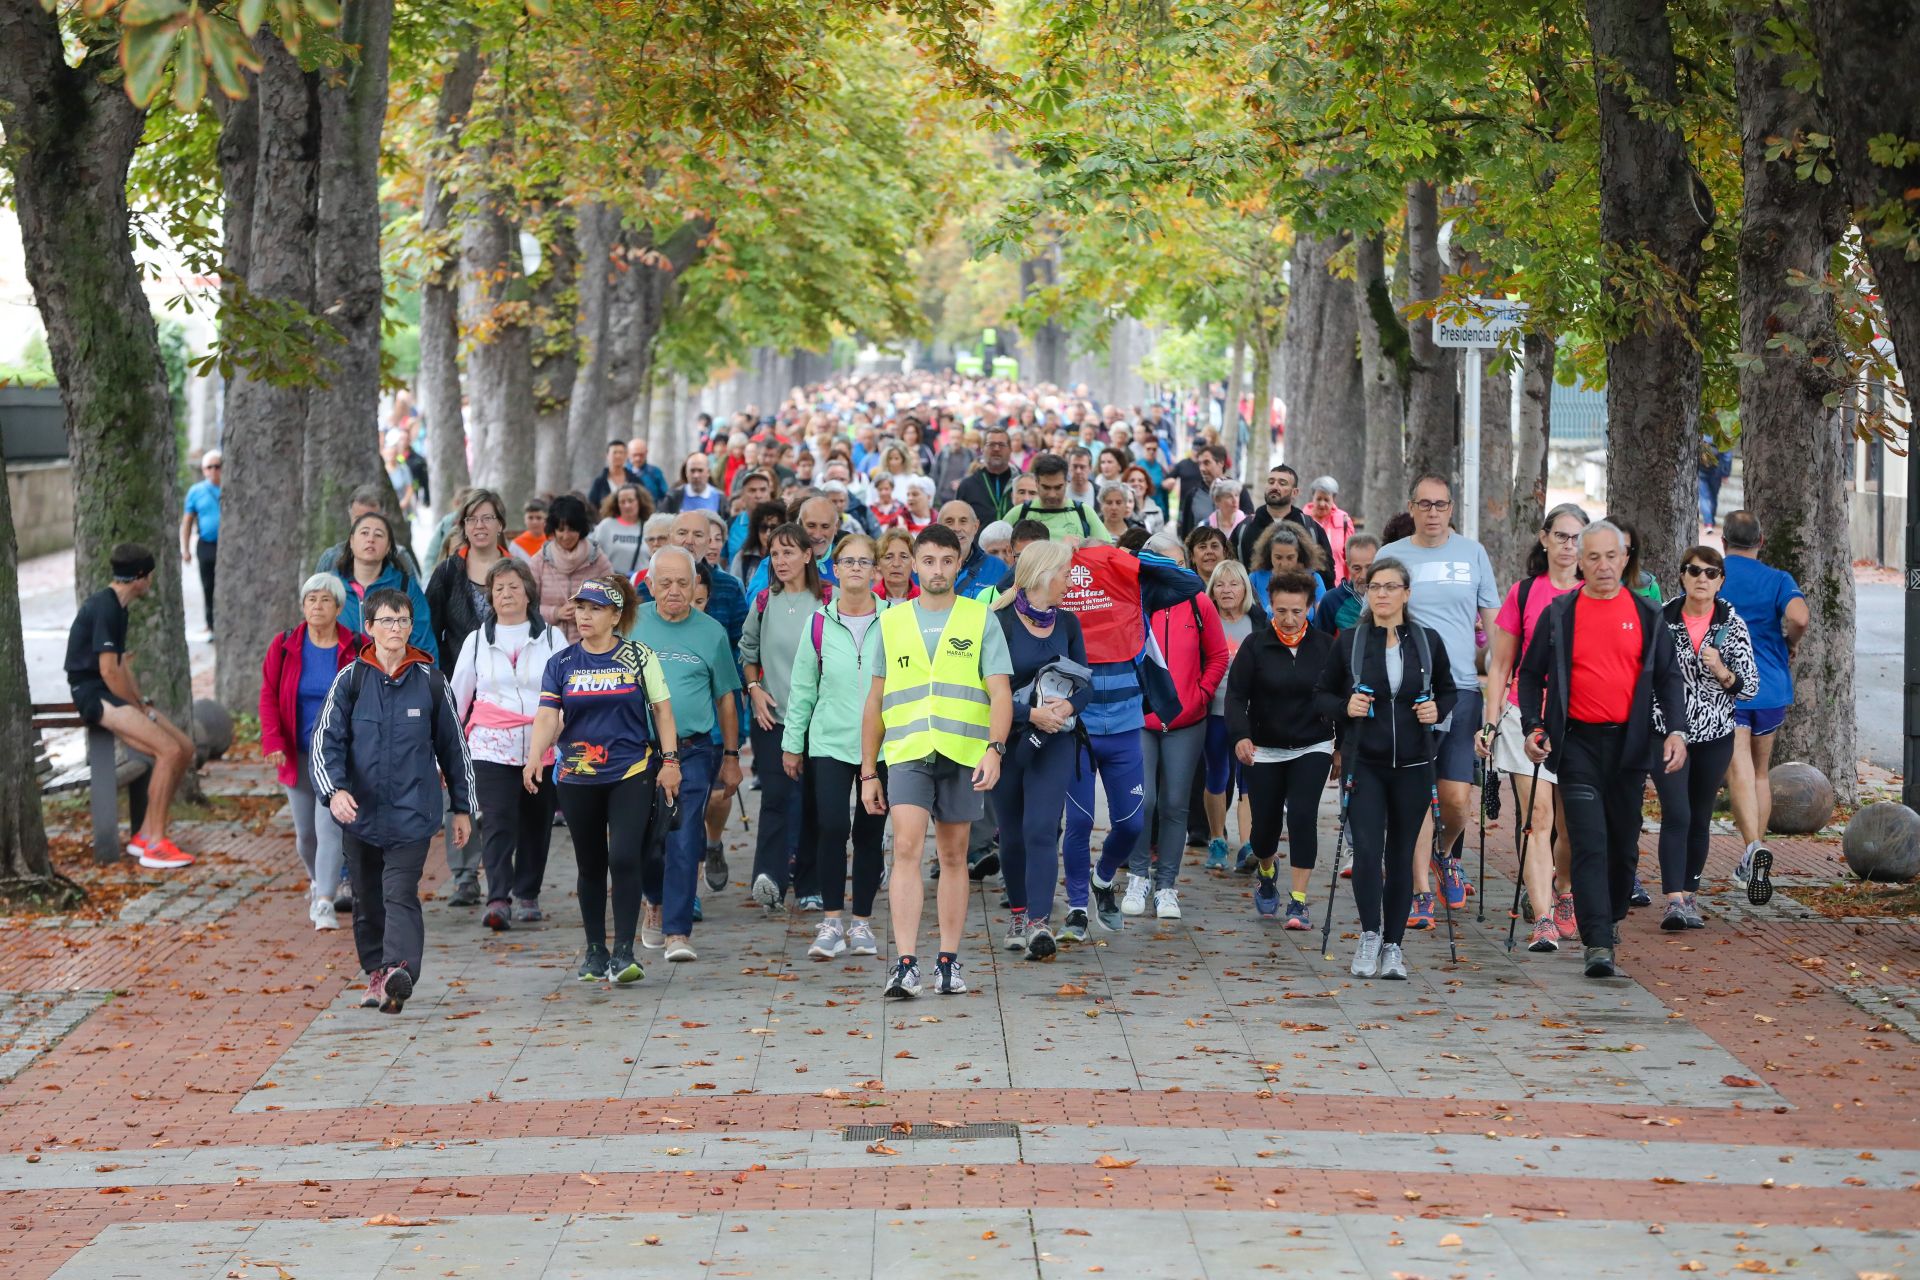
(697, 659)
(1075, 520)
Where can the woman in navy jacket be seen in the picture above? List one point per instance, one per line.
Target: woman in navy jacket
(386, 735)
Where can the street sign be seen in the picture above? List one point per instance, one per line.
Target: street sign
(1497, 319)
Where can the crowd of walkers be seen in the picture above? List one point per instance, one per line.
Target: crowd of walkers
(923, 607)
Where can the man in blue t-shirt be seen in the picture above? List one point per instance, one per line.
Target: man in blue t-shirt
(1770, 603)
(200, 528)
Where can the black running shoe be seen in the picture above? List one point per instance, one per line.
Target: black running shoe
(623, 968)
(716, 866)
(594, 967)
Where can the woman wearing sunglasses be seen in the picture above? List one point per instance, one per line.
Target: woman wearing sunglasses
(1716, 659)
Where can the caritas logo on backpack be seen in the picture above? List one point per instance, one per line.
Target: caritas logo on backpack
(1103, 591)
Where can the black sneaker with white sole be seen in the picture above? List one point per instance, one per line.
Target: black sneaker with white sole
(903, 980)
(623, 968)
(1074, 928)
(1760, 876)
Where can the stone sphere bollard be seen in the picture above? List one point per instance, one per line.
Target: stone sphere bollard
(212, 731)
(1802, 799)
(1883, 842)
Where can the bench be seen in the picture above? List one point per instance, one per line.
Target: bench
(104, 774)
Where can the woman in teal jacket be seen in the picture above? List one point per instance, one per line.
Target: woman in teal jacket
(369, 562)
(831, 673)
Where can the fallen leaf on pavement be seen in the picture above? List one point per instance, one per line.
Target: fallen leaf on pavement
(1110, 1162)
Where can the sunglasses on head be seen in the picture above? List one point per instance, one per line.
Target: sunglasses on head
(1706, 571)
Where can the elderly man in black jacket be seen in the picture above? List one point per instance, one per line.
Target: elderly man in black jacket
(1600, 659)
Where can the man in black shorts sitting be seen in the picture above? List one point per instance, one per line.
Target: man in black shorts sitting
(100, 673)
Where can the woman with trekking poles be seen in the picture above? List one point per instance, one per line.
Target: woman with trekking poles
(1388, 683)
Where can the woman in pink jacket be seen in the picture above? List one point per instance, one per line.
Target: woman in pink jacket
(565, 563)
(1195, 646)
(1324, 507)
(299, 669)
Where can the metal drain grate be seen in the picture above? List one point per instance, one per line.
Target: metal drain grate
(928, 1132)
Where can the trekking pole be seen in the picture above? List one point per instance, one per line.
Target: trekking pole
(1520, 873)
(1439, 866)
(1333, 888)
(1480, 907)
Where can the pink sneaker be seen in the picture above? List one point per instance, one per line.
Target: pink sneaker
(376, 989)
(1563, 918)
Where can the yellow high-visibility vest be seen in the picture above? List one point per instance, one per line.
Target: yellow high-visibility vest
(938, 708)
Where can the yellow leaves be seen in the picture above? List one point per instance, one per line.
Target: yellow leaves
(880, 1148)
(1114, 1162)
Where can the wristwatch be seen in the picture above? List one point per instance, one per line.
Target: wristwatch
(670, 757)
(731, 754)
(999, 748)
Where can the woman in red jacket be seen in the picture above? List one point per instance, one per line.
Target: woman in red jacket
(1195, 646)
(299, 669)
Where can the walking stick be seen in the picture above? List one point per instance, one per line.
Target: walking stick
(1439, 873)
(1480, 907)
(1333, 889)
(1520, 873)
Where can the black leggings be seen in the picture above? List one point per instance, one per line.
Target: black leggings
(1290, 791)
(837, 819)
(609, 829)
(1384, 815)
(1686, 812)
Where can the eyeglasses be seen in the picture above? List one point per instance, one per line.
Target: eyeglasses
(1706, 571)
(482, 520)
(392, 623)
(862, 563)
(1566, 539)
(1386, 586)
(1433, 504)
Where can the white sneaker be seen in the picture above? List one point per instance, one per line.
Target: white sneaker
(680, 950)
(1135, 901)
(322, 914)
(1166, 904)
(829, 940)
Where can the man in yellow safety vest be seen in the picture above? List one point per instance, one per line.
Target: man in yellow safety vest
(938, 712)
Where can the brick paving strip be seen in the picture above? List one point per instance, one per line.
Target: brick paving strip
(227, 1101)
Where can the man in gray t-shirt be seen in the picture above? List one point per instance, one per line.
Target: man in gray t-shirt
(1454, 592)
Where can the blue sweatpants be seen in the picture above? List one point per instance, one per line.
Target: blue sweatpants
(1117, 758)
(1027, 803)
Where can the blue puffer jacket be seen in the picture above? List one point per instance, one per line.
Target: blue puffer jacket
(387, 744)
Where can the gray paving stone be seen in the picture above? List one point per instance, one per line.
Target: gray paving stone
(32, 1022)
(890, 1244)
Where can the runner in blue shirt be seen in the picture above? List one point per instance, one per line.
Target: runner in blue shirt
(1776, 614)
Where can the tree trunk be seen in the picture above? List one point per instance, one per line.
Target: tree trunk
(1529, 504)
(24, 861)
(500, 351)
(1434, 373)
(71, 133)
(269, 150)
(601, 279)
(1654, 216)
(341, 452)
(1496, 464)
(1384, 357)
(1320, 364)
(556, 356)
(1867, 51)
(1236, 384)
(625, 358)
(440, 289)
(1798, 449)
(1260, 432)
(1048, 341)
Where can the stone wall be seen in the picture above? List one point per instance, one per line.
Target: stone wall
(42, 498)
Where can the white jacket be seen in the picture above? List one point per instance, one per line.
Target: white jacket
(489, 674)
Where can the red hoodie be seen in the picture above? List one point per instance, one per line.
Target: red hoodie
(1195, 646)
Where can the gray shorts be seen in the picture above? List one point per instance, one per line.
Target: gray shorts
(943, 787)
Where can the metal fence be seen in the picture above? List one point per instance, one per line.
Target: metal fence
(1579, 416)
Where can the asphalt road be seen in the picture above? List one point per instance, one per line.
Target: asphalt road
(1876, 673)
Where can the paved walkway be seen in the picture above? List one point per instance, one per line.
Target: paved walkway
(193, 1092)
